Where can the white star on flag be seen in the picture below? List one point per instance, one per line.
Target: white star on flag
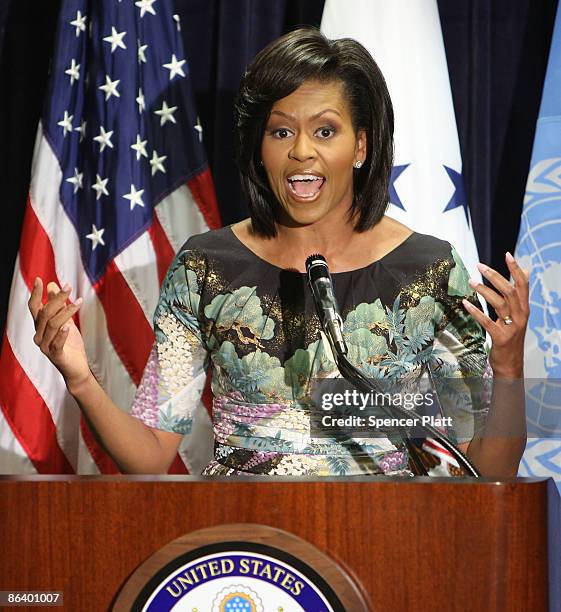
(96, 236)
(199, 128)
(145, 6)
(140, 101)
(73, 72)
(175, 67)
(81, 129)
(178, 21)
(66, 123)
(166, 113)
(157, 162)
(76, 180)
(141, 55)
(100, 186)
(110, 88)
(116, 39)
(80, 23)
(139, 147)
(104, 139)
(134, 197)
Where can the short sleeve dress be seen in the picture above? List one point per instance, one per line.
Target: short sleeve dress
(255, 327)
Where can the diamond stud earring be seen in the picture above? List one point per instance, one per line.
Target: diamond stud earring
(358, 164)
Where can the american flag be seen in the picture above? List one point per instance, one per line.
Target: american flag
(119, 181)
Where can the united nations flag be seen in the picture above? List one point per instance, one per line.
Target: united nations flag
(539, 250)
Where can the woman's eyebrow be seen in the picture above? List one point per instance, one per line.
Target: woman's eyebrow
(314, 116)
(327, 110)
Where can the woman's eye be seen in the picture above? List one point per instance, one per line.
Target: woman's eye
(325, 132)
(280, 133)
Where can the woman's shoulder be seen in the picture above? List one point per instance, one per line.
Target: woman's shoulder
(203, 253)
(213, 240)
(412, 245)
(220, 247)
(430, 247)
(222, 253)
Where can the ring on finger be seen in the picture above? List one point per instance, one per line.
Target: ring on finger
(507, 320)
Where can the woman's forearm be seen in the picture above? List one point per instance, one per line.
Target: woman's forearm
(135, 447)
(497, 451)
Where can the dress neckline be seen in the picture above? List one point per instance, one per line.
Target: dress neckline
(363, 268)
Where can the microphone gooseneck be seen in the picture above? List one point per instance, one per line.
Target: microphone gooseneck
(321, 287)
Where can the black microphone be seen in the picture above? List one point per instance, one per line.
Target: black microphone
(321, 286)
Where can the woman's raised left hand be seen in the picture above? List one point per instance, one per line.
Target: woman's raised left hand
(510, 301)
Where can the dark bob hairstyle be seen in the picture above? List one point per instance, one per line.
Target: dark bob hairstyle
(280, 69)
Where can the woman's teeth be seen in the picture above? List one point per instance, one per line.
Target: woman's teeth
(305, 185)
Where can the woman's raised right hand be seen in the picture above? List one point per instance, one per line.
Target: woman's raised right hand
(56, 334)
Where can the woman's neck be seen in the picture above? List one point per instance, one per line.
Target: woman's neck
(344, 248)
(297, 243)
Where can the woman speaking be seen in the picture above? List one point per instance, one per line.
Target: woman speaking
(315, 150)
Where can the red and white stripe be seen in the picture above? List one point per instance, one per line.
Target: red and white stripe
(435, 448)
(40, 425)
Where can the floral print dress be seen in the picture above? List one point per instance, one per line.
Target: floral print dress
(255, 327)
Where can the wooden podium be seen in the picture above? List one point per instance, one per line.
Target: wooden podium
(419, 544)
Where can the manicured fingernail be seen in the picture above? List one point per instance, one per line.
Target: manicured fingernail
(66, 288)
(509, 257)
(467, 304)
(65, 328)
(473, 283)
(36, 282)
(78, 302)
(482, 268)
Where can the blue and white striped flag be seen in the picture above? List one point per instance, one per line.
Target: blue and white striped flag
(539, 250)
(427, 189)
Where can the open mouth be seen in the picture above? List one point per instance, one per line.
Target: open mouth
(305, 185)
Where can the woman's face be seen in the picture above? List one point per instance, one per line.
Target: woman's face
(308, 151)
